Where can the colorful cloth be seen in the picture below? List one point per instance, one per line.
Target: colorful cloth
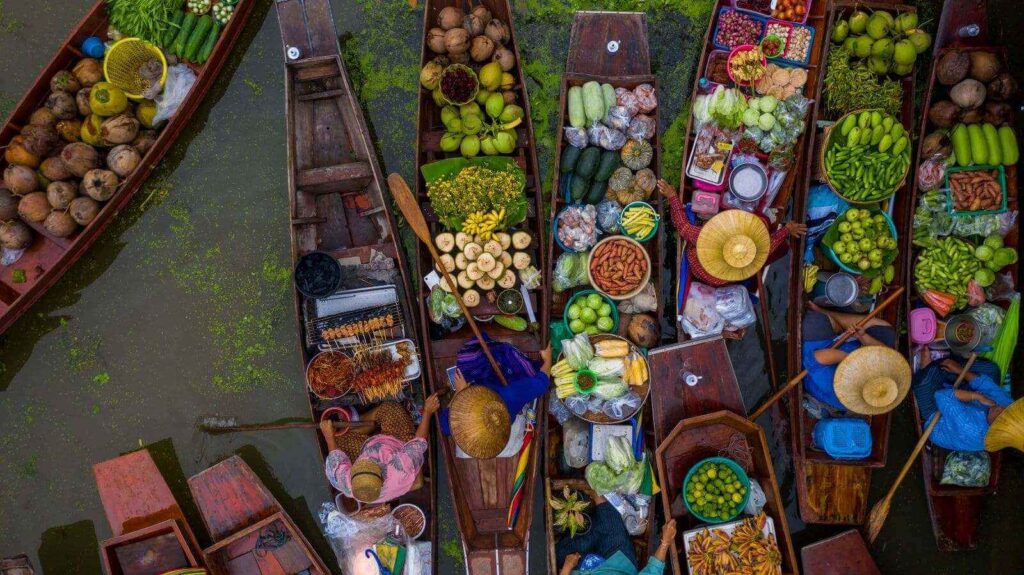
(963, 424)
(819, 334)
(618, 564)
(689, 233)
(400, 463)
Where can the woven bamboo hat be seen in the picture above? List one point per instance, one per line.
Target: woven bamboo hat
(1008, 429)
(733, 245)
(367, 478)
(872, 380)
(479, 421)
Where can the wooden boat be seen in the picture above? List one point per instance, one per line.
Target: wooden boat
(151, 534)
(828, 490)
(250, 530)
(955, 511)
(335, 187)
(843, 554)
(481, 489)
(703, 420)
(17, 565)
(49, 257)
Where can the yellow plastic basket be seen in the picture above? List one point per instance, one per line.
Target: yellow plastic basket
(123, 60)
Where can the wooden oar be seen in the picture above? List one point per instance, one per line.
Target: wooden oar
(214, 424)
(800, 376)
(414, 217)
(880, 512)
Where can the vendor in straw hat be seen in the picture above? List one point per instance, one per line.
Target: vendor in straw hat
(872, 380)
(820, 328)
(968, 411)
(480, 416)
(732, 246)
(388, 463)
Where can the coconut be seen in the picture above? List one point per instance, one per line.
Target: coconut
(70, 130)
(123, 160)
(60, 224)
(40, 140)
(473, 24)
(82, 100)
(456, 41)
(944, 114)
(435, 41)
(643, 330)
(88, 71)
(34, 207)
(16, 153)
(462, 58)
(20, 179)
(53, 169)
(64, 81)
(509, 96)
(969, 93)
(99, 185)
(985, 66)
(953, 67)
(15, 235)
(120, 129)
(972, 116)
(42, 117)
(60, 194)
(506, 58)
(62, 105)
(450, 17)
(144, 141)
(79, 158)
(8, 205)
(481, 12)
(998, 113)
(1003, 87)
(481, 49)
(497, 31)
(83, 210)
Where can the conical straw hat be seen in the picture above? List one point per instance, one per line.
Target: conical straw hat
(733, 245)
(479, 422)
(367, 478)
(1008, 429)
(872, 380)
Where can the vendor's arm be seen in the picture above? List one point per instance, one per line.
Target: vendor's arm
(983, 385)
(687, 231)
(781, 236)
(430, 407)
(570, 563)
(656, 564)
(338, 467)
(865, 338)
(829, 356)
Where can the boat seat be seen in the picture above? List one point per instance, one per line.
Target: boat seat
(350, 177)
(321, 95)
(315, 68)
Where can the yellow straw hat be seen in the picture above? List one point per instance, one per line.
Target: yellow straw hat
(479, 422)
(872, 380)
(1008, 429)
(367, 478)
(733, 245)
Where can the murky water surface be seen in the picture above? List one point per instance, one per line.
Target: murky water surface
(182, 308)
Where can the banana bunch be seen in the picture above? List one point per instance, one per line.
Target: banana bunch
(636, 370)
(638, 221)
(611, 348)
(563, 376)
(483, 224)
(810, 277)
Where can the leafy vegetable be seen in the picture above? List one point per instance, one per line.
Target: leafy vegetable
(578, 351)
(601, 478)
(726, 107)
(618, 454)
(146, 19)
(852, 86)
(610, 389)
(700, 109)
(607, 368)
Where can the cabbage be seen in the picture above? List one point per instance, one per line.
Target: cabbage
(619, 453)
(610, 389)
(578, 351)
(607, 368)
(601, 478)
(631, 479)
(700, 109)
(726, 107)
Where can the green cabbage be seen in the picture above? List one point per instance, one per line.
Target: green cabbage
(619, 453)
(578, 351)
(726, 107)
(610, 389)
(607, 368)
(601, 478)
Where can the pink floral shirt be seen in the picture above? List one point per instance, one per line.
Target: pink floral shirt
(399, 461)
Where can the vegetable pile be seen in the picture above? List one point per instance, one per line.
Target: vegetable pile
(887, 44)
(187, 30)
(865, 243)
(618, 368)
(618, 266)
(975, 190)
(867, 156)
(715, 491)
(852, 86)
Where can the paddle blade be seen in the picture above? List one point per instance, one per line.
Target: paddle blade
(876, 519)
(410, 209)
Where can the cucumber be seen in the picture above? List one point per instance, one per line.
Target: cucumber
(187, 23)
(961, 145)
(172, 30)
(578, 187)
(512, 322)
(211, 41)
(609, 162)
(596, 193)
(587, 165)
(995, 152)
(577, 117)
(1008, 144)
(610, 99)
(570, 155)
(197, 37)
(979, 151)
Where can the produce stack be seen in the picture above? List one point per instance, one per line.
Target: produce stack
(187, 30)
(886, 44)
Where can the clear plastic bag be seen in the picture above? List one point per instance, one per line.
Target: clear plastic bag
(577, 137)
(577, 404)
(930, 173)
(967, 469)
(608, 215)
(700, 318)
(570, 271)
(180, 79)
(732, 302)
(576, 443)
(634, 510)
(646, 98)
(607, 138)
(577, 227)
(623, 406)
(628, 100)
(645, 301)
(618, 118)
(557, 408)
(979, 225)
(1007, 221)
(350, 537)
(1002, 289)
(641, 127)
(757, 499)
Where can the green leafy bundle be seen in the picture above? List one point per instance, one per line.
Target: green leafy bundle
(852, 86)
(146, 19)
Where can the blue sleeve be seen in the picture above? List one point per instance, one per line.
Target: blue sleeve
(524, 390)
(984, 385)
(654, 566)
(442, 419)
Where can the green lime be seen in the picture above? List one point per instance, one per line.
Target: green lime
(577, 326)
(592, 330)
(574, 311)
(594, 301)
(605, 323)
(588, 315)
(605, 310)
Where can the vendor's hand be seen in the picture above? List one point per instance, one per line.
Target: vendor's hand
(460, 380)
(327, 428)
(668, 532)
(545, 356)
(856, 331)
(796, 229)
(667, 190)
(571, 561)
(952, 366)
(431, 405)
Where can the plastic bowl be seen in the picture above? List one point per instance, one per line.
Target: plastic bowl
(643, 280)
(833, 233)
(554, 233)
(341, 413)
(310, 387)
(654, 230)
(735, 51)
(782, 46)
(742, 475)
(404, 508)
(576, 381)
(309, 267)
(585, 293)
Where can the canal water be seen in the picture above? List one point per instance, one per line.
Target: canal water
(182, 309)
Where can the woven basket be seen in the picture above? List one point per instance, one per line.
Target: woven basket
(824, 173)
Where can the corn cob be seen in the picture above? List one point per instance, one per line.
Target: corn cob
(611, 348)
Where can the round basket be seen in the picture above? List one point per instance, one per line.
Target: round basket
(413, 511)
(343, 390)
(742, 475)
(123, 60)
(585, 293)
(312, 265)
(831, 184)
(732, 54)
(452, 68)
(654, 230)
(643, 281)
(644, 391)
(558, 242)
(341, 413)
(832, 233)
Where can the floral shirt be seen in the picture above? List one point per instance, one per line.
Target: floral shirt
(400, 463)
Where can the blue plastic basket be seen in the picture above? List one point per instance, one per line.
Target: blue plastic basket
(844, 438)
(714, 37)
(810, 49)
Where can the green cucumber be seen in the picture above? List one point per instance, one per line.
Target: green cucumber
(995, 151)
(596, 193)
(1008, 145)
(570, 155)
(172, 30)
(979, 150)
(211, 41)
(961, 145)
(512, 322)
(609, 162)
(187, 23)
(197, 37)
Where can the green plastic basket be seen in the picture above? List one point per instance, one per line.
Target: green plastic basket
(654, 230)
(979, 168)
(604, 298)
(742, 475)
(832, 234)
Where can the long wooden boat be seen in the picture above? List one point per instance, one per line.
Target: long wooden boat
(628, 66)
(831, 491)
(17, 565)
(955, 511)
(151, 534)
(49, 257)
(482, 489)
(251, 531)
(843, 554)
(692, 422)
(337, 207)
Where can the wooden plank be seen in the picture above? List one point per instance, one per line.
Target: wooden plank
(844, 554)
(17, 565)
(833, 494)
(230, 497)
(589, 52)
(327, 179)
(134, 493)
(291, 19)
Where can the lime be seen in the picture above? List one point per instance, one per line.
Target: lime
(605, 323)
(592, 330)
(588, 315)
(574, 311)
(577, 326)
(605, 310)
(594, 301)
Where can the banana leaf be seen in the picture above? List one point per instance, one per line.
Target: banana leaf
(449, 168)
(1005, 342)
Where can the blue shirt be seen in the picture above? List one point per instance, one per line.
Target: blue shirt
(963, 424)
(516, 395)
(618, 564)
(820, 380)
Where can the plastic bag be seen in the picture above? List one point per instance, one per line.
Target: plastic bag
(557, 408)
(618, 117)
(576, 443)
(979, 225)
(1003, 288)
(1007, 220)
(642, 127)
(570, 271)
(577, 404)
(350, 537)
(646, 97)
(577, 351)
(732, 302)
(623, 406)
(967, 469)
(700, 318)
(605, 137)
(930, 173)
(608, 215)
(701, 111)
(577, 227)
(180, 79)
(577, 137)
(634, 510)
(646, 300)
(757, 499)
(607, 369)
(628, 100)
